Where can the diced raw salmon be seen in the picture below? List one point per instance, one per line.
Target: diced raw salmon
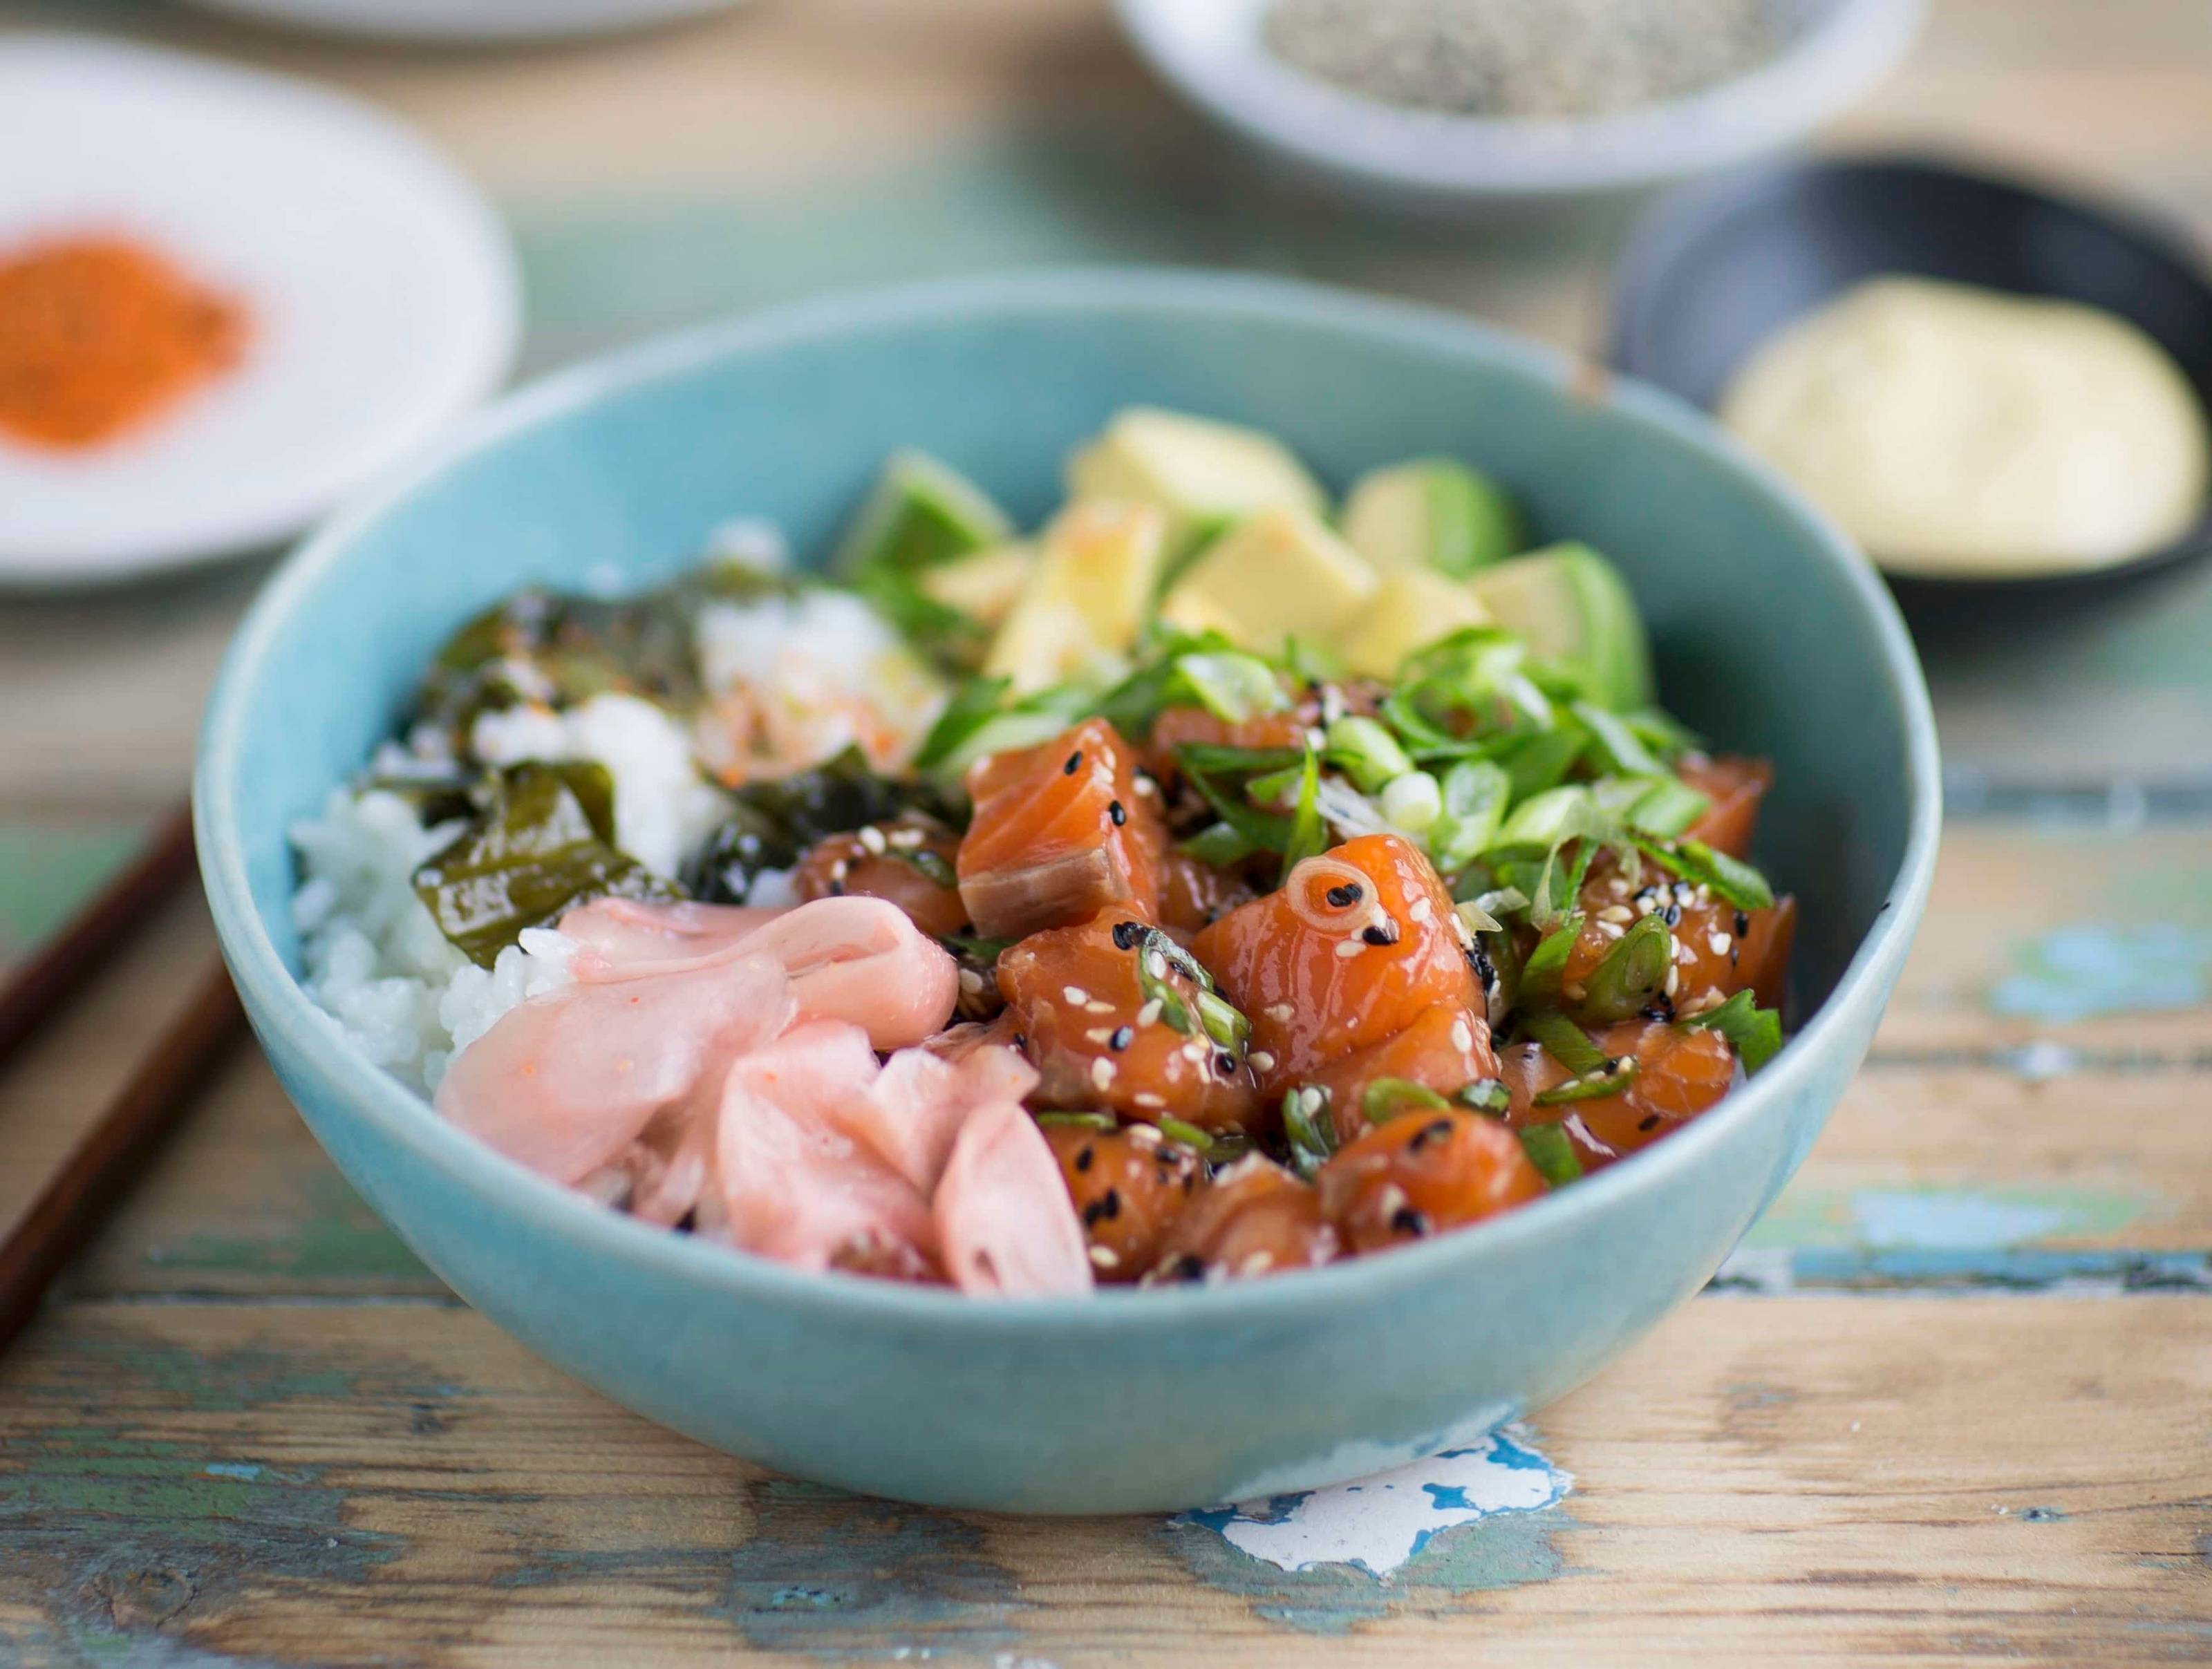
(1111, 1021)
(908, 861)
(1719, 949)
(1351, 950)
(1059, 833)
(1680, 1072)
(1735, 786)
(1003, 1222)
(1445, 1049)
(1255, 1218)
(1128, 1187)
(1421, 1173)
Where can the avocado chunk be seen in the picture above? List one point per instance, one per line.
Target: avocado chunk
(1098, 566)
(1570, 606)
(920, 513)
(1433, 513)
(1203, 473)
(983, 585)
(1412, 608)
(1277, 575)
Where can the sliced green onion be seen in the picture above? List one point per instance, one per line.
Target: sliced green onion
(1546, 757)
(1487, 1096)
(1078, 1121)
(1223, 1022)
(1366, 752)
(1413, 802)
(1308, 833)
(1755, 1033)
(1546, 819)
(1668, 808)
(1608, 1078)
(1552, 1151)
(972, 706)
(1231, 686)
(1189, 1134)
(1633, 973)
(1218, 846)
(1475, 795)
(1730, 878)
(1623, 749)
(1385, 1098)
(1565, 1043)
(1546, 965)
(1308, 1129)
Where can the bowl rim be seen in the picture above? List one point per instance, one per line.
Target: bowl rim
(1843, 53)
(1670, 230)
(279, 1003)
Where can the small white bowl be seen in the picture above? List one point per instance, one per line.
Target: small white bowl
(458, 22)
(382, 295)
(1211, 51)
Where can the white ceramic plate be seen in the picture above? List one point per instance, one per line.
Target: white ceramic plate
(1211, 51)
(381, 289)
(468, 20)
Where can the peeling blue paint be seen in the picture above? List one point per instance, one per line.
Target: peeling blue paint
(1412, 1541)
(2083, 970)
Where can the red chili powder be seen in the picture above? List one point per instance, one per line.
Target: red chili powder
(99, 334)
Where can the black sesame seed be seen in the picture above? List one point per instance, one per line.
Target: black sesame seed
(1436, 1129)
(1128, 935)
(1485, 970)
(836, 889)
(1083, 1159)
(1349, 894)
(1407, 1221)
(1224, 1062)
(1648, 1121)
(1114, 811)
(1022, 1040)
(1123, 1036)
(1375, 935)
(1673, 915)
(1105, 1208)
(1074, 763)
(1188, 1268)
(1742, 924)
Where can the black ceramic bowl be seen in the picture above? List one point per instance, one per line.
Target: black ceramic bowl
(1714, 269)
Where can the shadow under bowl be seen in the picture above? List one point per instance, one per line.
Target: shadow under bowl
(1713, 271)
(1767, 625)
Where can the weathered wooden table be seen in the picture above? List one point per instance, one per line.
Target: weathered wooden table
(1952, 1401)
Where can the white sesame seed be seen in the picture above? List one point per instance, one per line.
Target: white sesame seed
(1095, 1006)
(970, 982)
(1718, 943)
(1075, 994)
(871, 840)
(1257, 1263)
(1105, 1257)
(1349, 948)
(905, 840)
(1611, 930)
(1280, 1013)
(1263, 1061)
(1616, 912)
(840, 869)
(1617, 886)
(1102, 1072)
(1150, 1012)
(1144, 1135)
(1099, 1034)
(1311, 1099)
(1674, 980)
(1573, 990)
(1146, 785)
(1422, 910)
(1394, 1200)
(1146, 1098)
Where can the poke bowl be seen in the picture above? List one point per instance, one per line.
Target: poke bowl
(1022, 1386)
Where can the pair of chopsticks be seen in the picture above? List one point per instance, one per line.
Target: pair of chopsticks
(128, 1130)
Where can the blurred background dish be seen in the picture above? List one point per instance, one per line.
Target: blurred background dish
(468, 20)
(1464, 105)
(1716, 272)
(285, 292)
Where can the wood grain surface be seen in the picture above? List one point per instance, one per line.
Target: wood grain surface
(1951, 1402)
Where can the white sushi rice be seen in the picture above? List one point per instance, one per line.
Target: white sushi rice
(374, 959)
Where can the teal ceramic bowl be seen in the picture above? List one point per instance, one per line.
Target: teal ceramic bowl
(1773, 637)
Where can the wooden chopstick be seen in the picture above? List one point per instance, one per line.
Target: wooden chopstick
(61, 966)
(116, 1149)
